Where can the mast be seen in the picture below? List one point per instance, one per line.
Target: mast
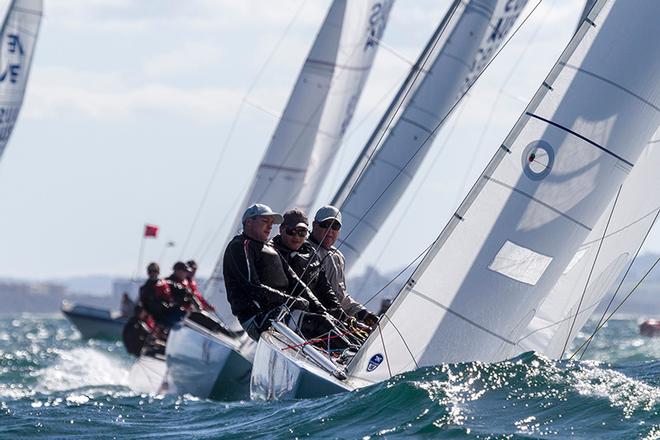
(315, 119)
(461, 46)
(547, 186)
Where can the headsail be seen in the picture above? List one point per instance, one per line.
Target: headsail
(315, 118)
(596, 268)
(17, 40)
(460, 48)
(499, 257)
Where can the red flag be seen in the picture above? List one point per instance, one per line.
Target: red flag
(150, 231)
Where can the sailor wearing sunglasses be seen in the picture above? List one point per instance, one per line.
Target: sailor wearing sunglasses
(325, 232)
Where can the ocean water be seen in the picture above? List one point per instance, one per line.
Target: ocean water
(54, 385)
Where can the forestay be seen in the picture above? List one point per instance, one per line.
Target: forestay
(315, 119)
(461, 46)
(505, 249)
(18, 37)
(601, 261)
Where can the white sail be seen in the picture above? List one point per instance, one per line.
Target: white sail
(601, 261)
(461, 46)
(315, 118)
(17, 40)
(499, 257)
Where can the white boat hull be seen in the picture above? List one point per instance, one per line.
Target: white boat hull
(281, 373)
(95, 323)
(207, 364)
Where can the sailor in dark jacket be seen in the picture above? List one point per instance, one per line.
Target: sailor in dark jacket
(255, 278)
(302, 258)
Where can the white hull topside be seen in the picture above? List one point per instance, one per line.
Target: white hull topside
(208, 364)
(281, 372)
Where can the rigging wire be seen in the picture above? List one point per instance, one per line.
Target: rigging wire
(591, 271)
(616, 292)
(617, 307)
(232, 128)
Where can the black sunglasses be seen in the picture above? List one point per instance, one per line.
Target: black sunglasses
(298, 232)
(330, 223)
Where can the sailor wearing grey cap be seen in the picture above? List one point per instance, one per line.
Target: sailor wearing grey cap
(255, 279)
(325, 232)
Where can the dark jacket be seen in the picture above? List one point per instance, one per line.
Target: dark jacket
(255, 278)
(307, 266)
(156, 299)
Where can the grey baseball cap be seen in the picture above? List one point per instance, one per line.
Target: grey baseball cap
(261, 210)
(328, 212)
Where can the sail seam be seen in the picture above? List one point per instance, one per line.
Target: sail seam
(531, 197)
(281, 168)
(333, 65)
(576, 134)
(464, 318)
(612, 83)
(416, 124)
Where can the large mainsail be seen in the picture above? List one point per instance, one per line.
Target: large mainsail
(503, 252)
(17, 39)
(461, 46)
(315, 118)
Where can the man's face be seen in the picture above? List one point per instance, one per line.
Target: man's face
(181, 274)
(293, 238)
(259, 228)
(153, 274)
(325, 234)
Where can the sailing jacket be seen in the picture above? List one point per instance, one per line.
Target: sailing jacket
(307, 266)
(255, 279)
(333, 263)
(157, 301)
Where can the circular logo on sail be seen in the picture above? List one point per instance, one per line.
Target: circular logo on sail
(537, 159)
(374, 362)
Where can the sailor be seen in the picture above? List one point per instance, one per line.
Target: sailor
(154, 314)
(258, 284)
(301, 257)
(192, 285)
(156, 298)
(182, 295)
(325, 232)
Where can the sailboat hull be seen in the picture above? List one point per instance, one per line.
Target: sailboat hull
(281, 373)
(207, 364)
(95, 323)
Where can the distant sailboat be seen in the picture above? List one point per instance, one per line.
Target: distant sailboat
(18, 37)
(521, 226)
(291, 172)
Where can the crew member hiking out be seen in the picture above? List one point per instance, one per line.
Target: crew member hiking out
(300, 256)
(257, 283)
(325, 232)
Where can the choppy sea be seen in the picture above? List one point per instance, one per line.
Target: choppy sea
(55, 385)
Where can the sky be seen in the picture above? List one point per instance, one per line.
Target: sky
(130, 108)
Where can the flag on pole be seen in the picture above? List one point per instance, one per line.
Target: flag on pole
(150, 231)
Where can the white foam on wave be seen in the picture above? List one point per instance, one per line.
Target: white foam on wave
(83, 367)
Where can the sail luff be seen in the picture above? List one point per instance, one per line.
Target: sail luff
(541, 195)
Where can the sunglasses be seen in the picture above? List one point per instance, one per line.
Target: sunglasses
(298, 232)
(330, 223)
